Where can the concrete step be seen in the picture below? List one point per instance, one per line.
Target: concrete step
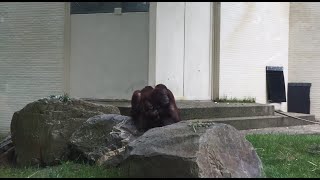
(258, 122)
(242, 116)
(205, 109)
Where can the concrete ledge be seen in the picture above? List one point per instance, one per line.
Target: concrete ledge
(258, 122)
(313, 129)
(242, 116)
(205, 109)
(225, 111)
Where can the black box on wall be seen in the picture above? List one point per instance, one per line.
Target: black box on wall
(299, 97)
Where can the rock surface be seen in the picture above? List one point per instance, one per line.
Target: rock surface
(188, 150)
(41, 130)
(7, 152)
(101, 135)
(5, 144)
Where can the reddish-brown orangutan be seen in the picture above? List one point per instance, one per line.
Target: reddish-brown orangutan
(163, 100)
(153, 107)
(135, 105)
(142, 111)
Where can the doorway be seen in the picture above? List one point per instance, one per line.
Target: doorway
(108, 49)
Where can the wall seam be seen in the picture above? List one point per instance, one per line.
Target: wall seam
(184, 49)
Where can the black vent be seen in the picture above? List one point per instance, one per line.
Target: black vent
(275, 84)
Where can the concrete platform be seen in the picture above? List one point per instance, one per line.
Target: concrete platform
(205, 109)
(313, 129)
(258, 122)
(242, 116)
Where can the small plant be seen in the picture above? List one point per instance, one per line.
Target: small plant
(198, 124)
(225, 99)
(63, 98)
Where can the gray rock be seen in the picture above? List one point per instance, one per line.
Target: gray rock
(190, 150)
(7, 152)
(100, 135)
(41, 130)
(7, 158)
(6, 144)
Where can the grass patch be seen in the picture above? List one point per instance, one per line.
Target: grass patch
(225, 99)
(2, 136)
(283, 156)
(65, 170)
(288, 156)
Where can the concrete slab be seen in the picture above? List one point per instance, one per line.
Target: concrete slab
(205, 109)
(242, 116)
(258, 122)
(183, 104)
(312, 129)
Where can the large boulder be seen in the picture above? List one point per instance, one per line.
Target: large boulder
(101, 135)
(41, 130)
(188, 150)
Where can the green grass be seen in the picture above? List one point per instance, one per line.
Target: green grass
(288, 156)
(66, 170)
(2, 136)
(225, 99)
(283, 156)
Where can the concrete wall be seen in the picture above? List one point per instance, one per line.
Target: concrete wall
(31, 54)
(304, 51)
(253, 35)
(180, 48)
(109, 55)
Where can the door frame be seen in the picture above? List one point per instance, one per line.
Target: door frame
(215, 49)
(67, 47)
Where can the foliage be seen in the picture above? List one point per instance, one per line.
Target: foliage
(225, 99)
(65, 170)
(63, 98)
